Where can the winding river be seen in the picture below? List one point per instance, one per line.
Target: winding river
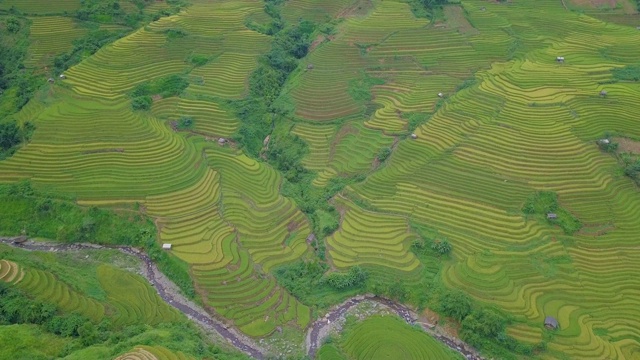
(171, 295)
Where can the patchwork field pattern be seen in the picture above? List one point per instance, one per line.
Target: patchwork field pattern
(215, 205)
(511, 121)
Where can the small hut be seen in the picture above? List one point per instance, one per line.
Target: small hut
(19, 239)
(63, 76)
(222, 141)
(552, 216)
(440, 95)
(604, 141)
(560, 59)
(310, 67)
(550, 323)
(50, 80)
(603, 93)
(166, 246)
(414, 136)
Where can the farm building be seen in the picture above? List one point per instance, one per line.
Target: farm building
(51, 80)
(560, 59)
(166, 246)
(222, 141)
(63, 76)
(550, 323)
(552, 216)
(604, 141)
(603, 93)
(440, 95)
(414, 136)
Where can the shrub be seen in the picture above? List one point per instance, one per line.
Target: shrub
(175, 33)
(610, 146)
(481, 325)
(142, 103)
(442, 247)
(12, 24)
(199, 60)
(9, 135)
(185, 122)
(456, 304)
(167, 86)
(383, 154)
(627, 73)
(355, 277)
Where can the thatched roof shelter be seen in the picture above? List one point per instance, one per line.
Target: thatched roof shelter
(551, 323)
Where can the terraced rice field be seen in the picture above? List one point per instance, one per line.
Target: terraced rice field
(50, 36)
(10, 272)
(512, 121)
(386, 337)
(129, 299)
(153, 353)
(41, 6)
(133, 298)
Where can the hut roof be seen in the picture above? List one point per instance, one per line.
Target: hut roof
(552, 216)
(440, 94)
(221, 141)
(551, 322)
(603, 92)
(414, 136)
(166, 246)
(560, 58)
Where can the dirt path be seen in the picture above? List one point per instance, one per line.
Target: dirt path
(166, 290)
(320, 328)
(318, 331)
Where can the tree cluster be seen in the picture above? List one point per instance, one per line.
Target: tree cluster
(17, 308)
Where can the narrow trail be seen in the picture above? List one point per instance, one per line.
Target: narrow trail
(170, 293)
(165, 288)
(318, 330)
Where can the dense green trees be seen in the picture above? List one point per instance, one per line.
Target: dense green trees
(456, 304)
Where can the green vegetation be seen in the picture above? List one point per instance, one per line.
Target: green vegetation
(310, 94)
(627, 73)
(545, 203)
(27, 211)
(310, 282)
(11, 136)
(36, 306)
(384, 337)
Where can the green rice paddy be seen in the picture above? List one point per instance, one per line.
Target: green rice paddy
(385, 337)
(512, 122)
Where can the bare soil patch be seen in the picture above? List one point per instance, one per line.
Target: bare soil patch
(319, 40)
(456, 20)
(628, 145)
(359, 8)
